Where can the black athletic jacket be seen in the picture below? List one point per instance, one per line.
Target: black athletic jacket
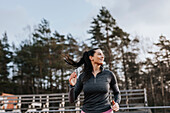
(96, 92)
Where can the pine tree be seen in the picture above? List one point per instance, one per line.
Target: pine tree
(163, 62)
(107, 35)
(158, 71)
(102, 30)
(5, 59)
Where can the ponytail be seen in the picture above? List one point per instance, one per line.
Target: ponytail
(88, 68)
(68, 60)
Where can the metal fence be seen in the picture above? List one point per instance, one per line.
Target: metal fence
(132, 100)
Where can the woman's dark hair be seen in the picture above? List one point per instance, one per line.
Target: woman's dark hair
(88, 68)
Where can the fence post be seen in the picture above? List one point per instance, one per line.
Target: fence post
(47, 103)
(19, 103)
(17, 107)
(145, 100)
(127, 100)
(33, 101)
(78, 104)
(145, 96)
(62, 105)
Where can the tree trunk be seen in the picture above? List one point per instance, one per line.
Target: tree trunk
(124, 69)
(162, 87)
(62, 80)
(109, 50)
(152, 89)
(33, 86)
(51, 80)
(21, 89)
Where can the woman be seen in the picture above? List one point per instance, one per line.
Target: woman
(95, 83)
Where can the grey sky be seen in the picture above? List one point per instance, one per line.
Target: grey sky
(146, 18)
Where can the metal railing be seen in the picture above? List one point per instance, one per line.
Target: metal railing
(46, 103)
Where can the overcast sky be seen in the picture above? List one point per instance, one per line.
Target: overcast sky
(146, 18)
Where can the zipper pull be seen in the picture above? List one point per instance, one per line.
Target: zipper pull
(94, 79)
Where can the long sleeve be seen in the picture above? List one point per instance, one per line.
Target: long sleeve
(75, 90)
(115, 88)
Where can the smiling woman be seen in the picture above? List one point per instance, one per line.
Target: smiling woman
(95, 83)
(98, 58)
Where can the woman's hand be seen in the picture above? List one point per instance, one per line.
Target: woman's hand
(73, 79)
(115, 106)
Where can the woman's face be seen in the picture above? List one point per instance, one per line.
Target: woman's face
(98, 57)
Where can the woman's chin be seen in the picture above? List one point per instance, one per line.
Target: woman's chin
(100, 63)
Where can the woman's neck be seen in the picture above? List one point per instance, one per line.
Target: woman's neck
(96, 69)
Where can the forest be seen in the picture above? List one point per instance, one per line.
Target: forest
(37, 66)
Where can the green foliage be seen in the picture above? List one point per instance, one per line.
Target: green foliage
(103, 36)
(39, 62)
(115, 43)
(5, 58)
(158, 72)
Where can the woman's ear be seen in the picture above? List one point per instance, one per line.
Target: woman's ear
(91, 58)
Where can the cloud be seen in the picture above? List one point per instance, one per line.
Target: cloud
(148, 18)
(143, 18)
(99, 3)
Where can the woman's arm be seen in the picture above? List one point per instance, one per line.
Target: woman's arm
(115, 88)
(116, 92)
(75, 90)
